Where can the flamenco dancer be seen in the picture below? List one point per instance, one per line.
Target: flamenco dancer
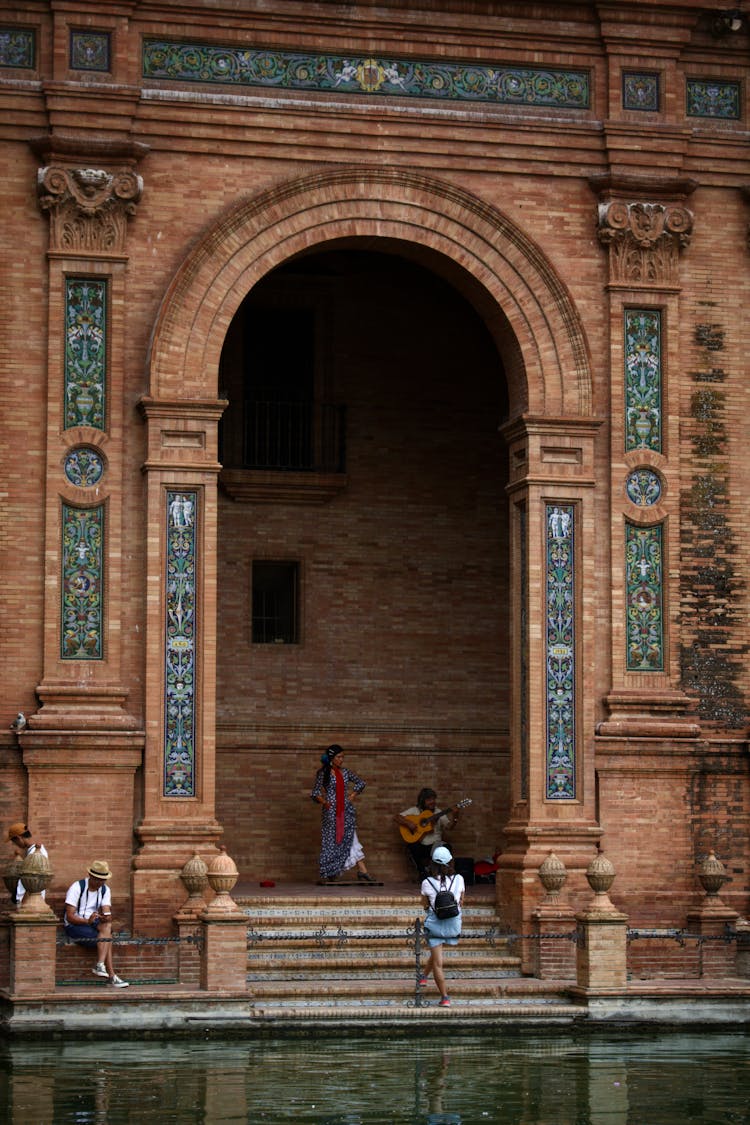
(337, 789)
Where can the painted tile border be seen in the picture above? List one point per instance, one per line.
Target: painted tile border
(85, 381)
(82, 586)
(176, 61)
(643, 379)
(560, 655)
(644, 597)
(179, 643)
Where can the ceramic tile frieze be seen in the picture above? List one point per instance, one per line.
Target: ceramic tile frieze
(82, 610)
(85, 353)
(246, 66)
(560, 652)
(17, 47)
(644, 584)
(179, 645)
(643, 381)
(706, 97)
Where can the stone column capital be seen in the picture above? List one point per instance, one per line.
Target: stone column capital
(88, 207)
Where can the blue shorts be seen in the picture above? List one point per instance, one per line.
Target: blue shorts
(85, 933)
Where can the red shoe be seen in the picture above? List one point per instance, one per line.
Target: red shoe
(445, 1002)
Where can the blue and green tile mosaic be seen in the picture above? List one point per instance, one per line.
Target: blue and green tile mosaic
(82, 617)
(17, 47)
(645, 598)
(351, 74)
(643, 487)
(83, 466)
(707, 97)
(85, 353)
(90, 50)
(640, 91)
(560, 653)
(179, 648)
(643, 383)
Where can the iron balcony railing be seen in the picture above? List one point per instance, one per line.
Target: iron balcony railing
(294, 436)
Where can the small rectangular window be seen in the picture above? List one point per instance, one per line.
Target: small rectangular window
(275, 586)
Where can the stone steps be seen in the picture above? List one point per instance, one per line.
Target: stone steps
(356, 951)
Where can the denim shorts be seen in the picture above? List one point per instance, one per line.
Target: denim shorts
(85, 933)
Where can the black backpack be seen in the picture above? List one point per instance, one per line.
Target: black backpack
(445, 901)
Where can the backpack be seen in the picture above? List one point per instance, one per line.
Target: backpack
(445, 902)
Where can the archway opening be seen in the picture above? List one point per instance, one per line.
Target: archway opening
(363, 565)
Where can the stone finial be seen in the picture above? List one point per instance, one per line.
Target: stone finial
(36, 875)
(194, 876)
(222, 875)
(552, 874)
(601, 875)
(712, 874)
(12, 875)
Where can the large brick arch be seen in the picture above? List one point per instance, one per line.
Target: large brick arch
(536, 325)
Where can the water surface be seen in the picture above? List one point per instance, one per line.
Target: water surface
(550, 1079)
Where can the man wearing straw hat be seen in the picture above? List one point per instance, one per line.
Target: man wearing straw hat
(88, 918)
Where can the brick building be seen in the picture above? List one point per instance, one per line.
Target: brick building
(377, 374)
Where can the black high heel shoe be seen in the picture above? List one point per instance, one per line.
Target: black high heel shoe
(365, 877)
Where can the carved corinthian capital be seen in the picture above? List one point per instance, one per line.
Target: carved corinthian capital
(644, 240)
(88, 207)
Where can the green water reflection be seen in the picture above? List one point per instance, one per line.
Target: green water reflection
(542, 1080)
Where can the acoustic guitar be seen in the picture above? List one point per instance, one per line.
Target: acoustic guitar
(423, 822)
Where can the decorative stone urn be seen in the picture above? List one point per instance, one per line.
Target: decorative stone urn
(194, 877)
(11, 877)
(222, 875)
(712, 874)
(552, 874)
(36, 875)
(601, 875)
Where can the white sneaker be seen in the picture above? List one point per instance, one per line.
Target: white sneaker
(99, 970)
(116, 982)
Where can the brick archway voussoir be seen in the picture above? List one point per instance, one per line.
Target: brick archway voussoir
(255, 235)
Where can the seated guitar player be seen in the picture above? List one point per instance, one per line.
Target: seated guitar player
(422, 828)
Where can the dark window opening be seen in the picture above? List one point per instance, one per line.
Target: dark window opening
(275, 586)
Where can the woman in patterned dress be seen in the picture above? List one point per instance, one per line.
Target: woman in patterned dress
(336, 789)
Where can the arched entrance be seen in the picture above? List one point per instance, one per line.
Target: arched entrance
(537, 340)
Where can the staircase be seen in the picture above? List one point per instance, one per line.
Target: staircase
(347, 955)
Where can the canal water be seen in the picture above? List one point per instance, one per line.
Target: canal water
(550, 1079)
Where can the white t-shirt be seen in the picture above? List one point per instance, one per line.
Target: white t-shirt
(453, 883)
(86, 902)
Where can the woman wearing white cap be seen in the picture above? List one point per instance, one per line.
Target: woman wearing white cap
(439, 929)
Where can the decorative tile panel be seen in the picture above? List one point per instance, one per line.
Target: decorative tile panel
(643, 383)
(82, 617)
(640, 91)
(644, 585)
(560, 653)
(524, 654)
(643, 487)
(17, 47)
(713, 98)
(85, 353)
(352, 74)
(83, 466)
(179, 648)
(90, 50)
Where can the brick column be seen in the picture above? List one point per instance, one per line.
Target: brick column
(224, 952)
(555, 954)
(553, 531)
(601, 955)
(181, 470)
(713, 920)
(32, 954)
